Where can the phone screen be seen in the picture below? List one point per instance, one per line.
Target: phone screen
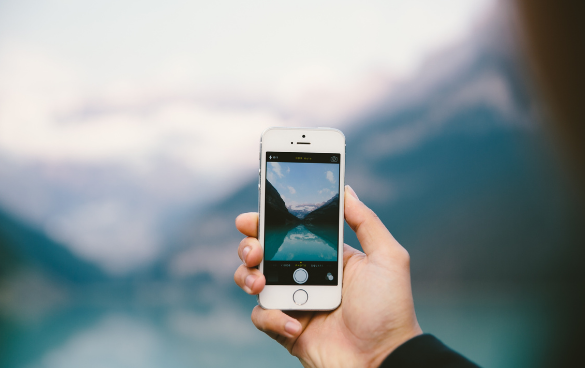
(301, 221)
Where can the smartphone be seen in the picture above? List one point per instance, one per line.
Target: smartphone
(300, 227)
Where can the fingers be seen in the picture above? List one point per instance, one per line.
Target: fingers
(250, 280)
(276, 323)
(247, 224)
(371, 232)
(250, 252)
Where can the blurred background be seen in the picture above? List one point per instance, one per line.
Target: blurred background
(129, 136)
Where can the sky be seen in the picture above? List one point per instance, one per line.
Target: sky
(115, 115)
(129, 80)
(303, 183)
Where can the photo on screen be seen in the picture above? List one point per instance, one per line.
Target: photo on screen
(302, 211)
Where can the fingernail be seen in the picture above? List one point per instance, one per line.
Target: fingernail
(350, 191)
(245, 253)
(250, 281)
(292, 327)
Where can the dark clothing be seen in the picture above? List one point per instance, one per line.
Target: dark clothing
(426, 351)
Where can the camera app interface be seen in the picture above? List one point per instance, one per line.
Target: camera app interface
(301, 228)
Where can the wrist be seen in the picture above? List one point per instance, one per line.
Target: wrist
(391, 343)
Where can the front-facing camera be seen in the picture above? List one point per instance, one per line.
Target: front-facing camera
(303, 136)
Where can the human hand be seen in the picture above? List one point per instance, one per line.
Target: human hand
(376, 314)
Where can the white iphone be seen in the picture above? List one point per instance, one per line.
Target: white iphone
(300, 227)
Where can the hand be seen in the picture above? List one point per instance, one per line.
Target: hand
(376, 314)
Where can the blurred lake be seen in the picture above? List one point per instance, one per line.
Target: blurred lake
(110, 264)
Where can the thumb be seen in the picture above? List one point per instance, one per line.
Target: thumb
(370, 231)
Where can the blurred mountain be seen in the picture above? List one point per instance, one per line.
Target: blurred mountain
(109, 214)
(22, 245)
(455, 162)
(457, 165)
(464, 176)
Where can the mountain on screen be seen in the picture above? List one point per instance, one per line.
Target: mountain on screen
(276, 212)
(326, 213)
(303, 210)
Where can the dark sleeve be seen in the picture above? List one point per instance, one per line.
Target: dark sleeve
(426, 351)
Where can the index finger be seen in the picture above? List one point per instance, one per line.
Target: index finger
(247, 224)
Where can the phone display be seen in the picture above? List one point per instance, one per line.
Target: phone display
(302, 218)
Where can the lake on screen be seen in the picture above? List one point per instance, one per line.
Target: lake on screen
(302, 244)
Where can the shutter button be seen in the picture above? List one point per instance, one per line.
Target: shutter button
(300, 275)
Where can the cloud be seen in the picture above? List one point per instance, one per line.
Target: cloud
(292, 190)
(324, 190)
(276, 169)
(330, 177)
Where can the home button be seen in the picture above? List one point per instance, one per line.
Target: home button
(300, 297)
(300, 275)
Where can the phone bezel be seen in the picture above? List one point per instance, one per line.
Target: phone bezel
(328, 140)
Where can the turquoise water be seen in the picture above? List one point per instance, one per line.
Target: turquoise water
(208, 326)
(302, 244)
